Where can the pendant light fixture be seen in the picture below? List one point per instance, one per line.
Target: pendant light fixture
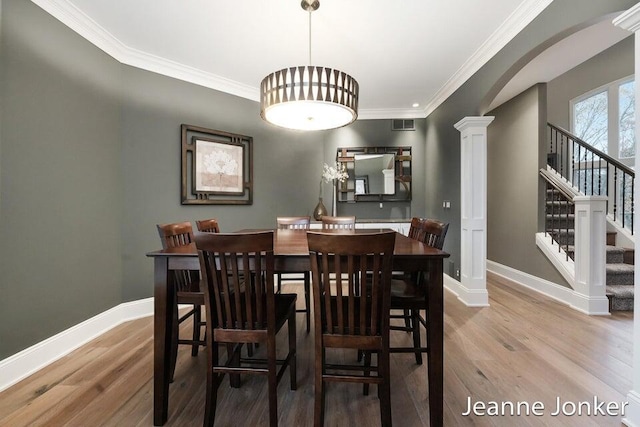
(309, 97)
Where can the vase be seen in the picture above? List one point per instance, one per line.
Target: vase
(334, 206)
(320, 210)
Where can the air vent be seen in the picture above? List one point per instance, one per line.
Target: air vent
(403, 124)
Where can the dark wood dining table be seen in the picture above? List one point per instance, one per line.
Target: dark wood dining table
(292, 256)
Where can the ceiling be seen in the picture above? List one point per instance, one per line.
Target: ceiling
(401, 53)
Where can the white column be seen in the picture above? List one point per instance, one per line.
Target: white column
(473, 209)
(630, 20)
(590, 254)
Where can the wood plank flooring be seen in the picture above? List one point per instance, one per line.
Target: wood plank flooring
(525, 347)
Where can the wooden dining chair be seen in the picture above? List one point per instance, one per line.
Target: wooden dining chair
(297, 223)
(347, 318)
(187, 289)
(338, 222)
(407, 290)
(242, 307)
(208, 226)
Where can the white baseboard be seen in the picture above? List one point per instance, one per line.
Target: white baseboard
(20, 365)
(545, 287)
(451, 284)
(632, 413)
(470, 298)
(552, 290)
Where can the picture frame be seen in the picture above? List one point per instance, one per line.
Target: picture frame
(217, 167)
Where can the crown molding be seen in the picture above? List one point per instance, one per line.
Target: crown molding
(629, 20)
(390, 113)
(520, 18)
(76, 20)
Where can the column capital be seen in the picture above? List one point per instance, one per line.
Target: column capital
(629, 20)
(473, 121)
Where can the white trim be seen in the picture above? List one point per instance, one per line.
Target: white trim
(78, 21)
(65, 12)
(629, 20)
(20, 365)
(552, 290)
(557, 256)
(632, 414)
(516, 22)
(390, 113)
(545, 287)
(469, 297)
(451, 284)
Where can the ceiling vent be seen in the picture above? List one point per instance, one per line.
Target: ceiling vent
(403, 124)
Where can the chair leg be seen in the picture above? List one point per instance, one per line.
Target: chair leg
(407, 319)
(234, 379)
(174, 341)
(319, 401)
(307, 300)
(416, 335)
(367, 371)
(272, 378)
(292, 351)
(279, 283)
(213, 383)
(384, 389)
(197, 319)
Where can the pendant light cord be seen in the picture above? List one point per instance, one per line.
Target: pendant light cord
(309, 37)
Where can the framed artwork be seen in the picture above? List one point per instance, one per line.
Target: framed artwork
(217, 167)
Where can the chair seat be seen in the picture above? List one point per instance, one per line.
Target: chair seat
(406, 289)
(196, 298)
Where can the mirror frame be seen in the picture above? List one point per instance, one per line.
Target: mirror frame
(346, 190)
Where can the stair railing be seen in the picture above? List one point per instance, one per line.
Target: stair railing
(593, 173)
(558, 214)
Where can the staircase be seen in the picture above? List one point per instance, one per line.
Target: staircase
(619, 265)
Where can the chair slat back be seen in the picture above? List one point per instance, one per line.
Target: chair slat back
(237, 269)
(433, 233)
(351, 275)
(338, 222)
(415, 230)
(293, 222)
(208, 226)
(174, 235)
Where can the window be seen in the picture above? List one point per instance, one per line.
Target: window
(590, 120)
(605, 118)
(627, 120)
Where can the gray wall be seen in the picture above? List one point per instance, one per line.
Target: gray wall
(287, 166)
(610, 65)
(442, 150)
(61, 187)
(515, 155)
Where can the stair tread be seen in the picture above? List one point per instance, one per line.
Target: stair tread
(619, 268)
(620, 291)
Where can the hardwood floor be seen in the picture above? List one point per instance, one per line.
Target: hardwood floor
(525, 347)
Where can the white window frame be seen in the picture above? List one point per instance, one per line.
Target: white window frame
(613, 119)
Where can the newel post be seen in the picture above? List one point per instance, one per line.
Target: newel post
(630, 20)
(473, 210)
(590, 254)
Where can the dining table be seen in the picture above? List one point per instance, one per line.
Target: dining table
(291, 253)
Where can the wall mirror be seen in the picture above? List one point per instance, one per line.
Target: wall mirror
(375, 174)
